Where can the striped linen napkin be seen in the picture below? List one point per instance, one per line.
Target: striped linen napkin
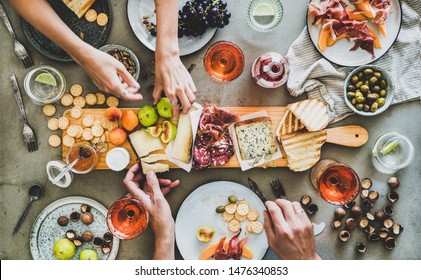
(312, 74)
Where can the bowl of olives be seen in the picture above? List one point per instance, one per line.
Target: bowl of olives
(368, 90)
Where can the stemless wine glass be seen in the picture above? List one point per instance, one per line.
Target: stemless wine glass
(127, 218)
(224, 61)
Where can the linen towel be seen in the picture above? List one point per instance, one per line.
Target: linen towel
(312, 74)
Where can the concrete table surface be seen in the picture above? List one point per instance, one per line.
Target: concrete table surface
(19, 168)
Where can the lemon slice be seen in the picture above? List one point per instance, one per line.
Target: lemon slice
(264, 10)
(46, 78)
(389, 147)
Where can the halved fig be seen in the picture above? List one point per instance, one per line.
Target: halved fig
(205, 234)
(169, 131)
(154, 131)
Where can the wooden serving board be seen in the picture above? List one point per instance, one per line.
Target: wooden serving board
(275, 113)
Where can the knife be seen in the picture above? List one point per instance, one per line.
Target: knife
(254, 188)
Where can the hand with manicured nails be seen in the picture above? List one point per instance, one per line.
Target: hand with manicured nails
(289, 231)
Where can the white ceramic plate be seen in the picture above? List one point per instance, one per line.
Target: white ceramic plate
(198, 209)
(136, 9)
(340, 52)
(46, 231)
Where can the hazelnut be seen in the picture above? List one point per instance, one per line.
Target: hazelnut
(356, 211)
(350, 223)
(70, 234)
(366, 183)
(85, 208)
(380, 215)
(390, 243)
(393, 196)
(394, 182)
(336, 224)
(340, 213)
(87, 218)
(63, 221)
(87, 236)
(98, 242)
(305, 200)
(344, 235)
(361, 247)
(312, 209)
(75, 216)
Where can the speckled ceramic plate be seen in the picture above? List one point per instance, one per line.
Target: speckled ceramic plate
(198, 210)
(136, 9)
(45, 230)
(93, 34)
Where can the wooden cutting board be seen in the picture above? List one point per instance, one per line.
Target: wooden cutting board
(275, 113)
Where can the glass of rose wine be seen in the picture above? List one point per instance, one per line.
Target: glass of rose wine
(127, 218)
(224, 61)
(336, 182)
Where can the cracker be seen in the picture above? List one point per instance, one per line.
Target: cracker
(97, 122)
(230, 208)
(112, 125)
(66, 100)
(76, 112)
(253, 215)
(63, 123)
(88, 120)
(52, 124)
(87, 134)
(72, 130)
(239, 217)
(256, 227)
(104, 122)
(49, 110)
(102, 19)
(54, 141)
(100, 98)
(248, 226)
(76, 90)
(97, 131)
(80, 132)
(234, 226)
(68, 141)
(243, 209)
(90, 99)
(227, 217)
(79, 101)
(95, 140)
(112, 101)
(107, 136)
(91, 15)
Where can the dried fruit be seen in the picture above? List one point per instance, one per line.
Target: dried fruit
(85, 208)
(361, 247)
(70, 234)
(232, 199)
(63, 221)
(75, 216)
(366, 183)
(87, 218)
(305, 200)
(390, 243)
(87, 236)
(220, 209)
(340, 213)
(344, 235)
(393, 182)
(393, 196)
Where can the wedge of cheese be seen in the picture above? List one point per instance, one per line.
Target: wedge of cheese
(183, 140)
(144, 144)
(155, 167)
(79, 7)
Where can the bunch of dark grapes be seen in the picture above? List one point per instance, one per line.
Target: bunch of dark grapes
(197, 16)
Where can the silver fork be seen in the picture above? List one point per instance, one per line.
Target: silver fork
(20, 50)
(28, 133)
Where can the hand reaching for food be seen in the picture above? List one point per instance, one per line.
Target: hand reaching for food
(289, 231)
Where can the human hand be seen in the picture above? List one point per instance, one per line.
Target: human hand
(172, 78)
(109, 74)
(152, 196)
(289, 231)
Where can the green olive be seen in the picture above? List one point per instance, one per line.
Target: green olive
(374, 106)
(358, 94)
(383, 93)
(360, 75)
(351, 88)
(359, 106)
(377, 95)
(360, 99)
(373, 81)
(377, 75)
(359, 84)
(381, 101)
(371, 98)
(383, 84)
(220, 209)
(366, 82)
(350, 94)
(366, 108)
(353, 101)
(368, 71)
(232, 199)
(354, 79)
(376, 89)
(364, 88)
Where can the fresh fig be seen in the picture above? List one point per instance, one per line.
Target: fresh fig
(169, 131)
(205, 234)
(154, 131)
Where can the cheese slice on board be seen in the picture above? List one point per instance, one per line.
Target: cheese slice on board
(144, 144)
(183, 140)
(155, 167)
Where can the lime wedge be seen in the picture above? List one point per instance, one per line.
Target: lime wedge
(264, 10)
(389, 147)
(46, 78)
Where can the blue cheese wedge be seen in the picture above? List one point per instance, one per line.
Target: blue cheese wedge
(255, 138)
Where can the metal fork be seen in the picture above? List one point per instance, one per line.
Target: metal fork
(20, 50)
(278, 189)
(28, 133)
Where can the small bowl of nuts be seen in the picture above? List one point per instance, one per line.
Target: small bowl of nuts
(125, 56)
(368, 90)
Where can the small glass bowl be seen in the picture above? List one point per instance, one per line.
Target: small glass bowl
(83, 166)
(278, 10)
(133, 57)
(41, 93)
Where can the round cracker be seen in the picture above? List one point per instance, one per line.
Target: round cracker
(112, 101)
(244, 202)
(72, 130)
(234, 225)
(76, 112)
(49, 110)
(253, 215)
(54, 140)
(248, 226)
(80, 132)
(68, 141)
(243, 209)
(90, 99)
(230, 208)
(112, 125)
(88, 120)
(97, 130)
(66, 100)
(79, 101)
(239, 217)
(91, 15)
(104, 122)
(100, 98)
(102, 19)
(52, 124)
(97, 122)
(256, 227)
(63, 123)
(227, 217)
(107, 136)
(87, 134)
(76, 90)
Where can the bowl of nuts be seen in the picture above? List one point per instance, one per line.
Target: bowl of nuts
(125, 56)
(368, 90)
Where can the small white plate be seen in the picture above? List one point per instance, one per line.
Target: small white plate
(136, 9)
(198, 209)
(340, 52)
(46, 231)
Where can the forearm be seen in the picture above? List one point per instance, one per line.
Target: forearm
(51, 26)
(164, 247)
(167, 27)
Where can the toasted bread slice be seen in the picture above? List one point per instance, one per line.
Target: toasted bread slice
(312, 113)
(183, 140)
(303, 148)
(289, 123)
(79, 7)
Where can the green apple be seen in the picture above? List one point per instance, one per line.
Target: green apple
(164, 108)
(64, 249)
(148, 116)
(169, 131)
(88, 254)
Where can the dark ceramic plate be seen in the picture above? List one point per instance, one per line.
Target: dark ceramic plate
(93, 34)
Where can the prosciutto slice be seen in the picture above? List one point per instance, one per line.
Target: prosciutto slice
(235, 248)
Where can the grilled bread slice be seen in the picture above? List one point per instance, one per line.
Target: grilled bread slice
(303, 148)
(289, 123)
(79, 7)
(311, 112)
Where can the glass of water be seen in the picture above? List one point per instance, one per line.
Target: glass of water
(264, 15)
(391, 152)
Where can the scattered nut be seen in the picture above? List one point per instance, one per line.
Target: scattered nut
(336, 224)
(370, 216)
(106, 248)
(361, 247)
(383, 232)
(312, 209)
(366, 183)
(340, 213)
(70, 234)
(388, 210)
(388, 223)
(394, 182)
(85, 208)
(373, 196)
(63, 221)
(380, 215)
(305, 200)
(349, 205)
(374, 236)
(356, 211)
(77, 241)
(98, 242)
(364, 194)
(390, 243)
(363, 222)
(397, 229)
(108, 237)
(366, 205)
(393, 196)
(344, 235)
(370, 229)
(87, 236)
(87, 218)
(75, 216)
(350, 223)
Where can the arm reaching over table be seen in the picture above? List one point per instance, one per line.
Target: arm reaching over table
(289, 231)
(108, 74)
(171, 77)
(160, 219)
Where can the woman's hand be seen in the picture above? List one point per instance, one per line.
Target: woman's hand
(289, 231)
